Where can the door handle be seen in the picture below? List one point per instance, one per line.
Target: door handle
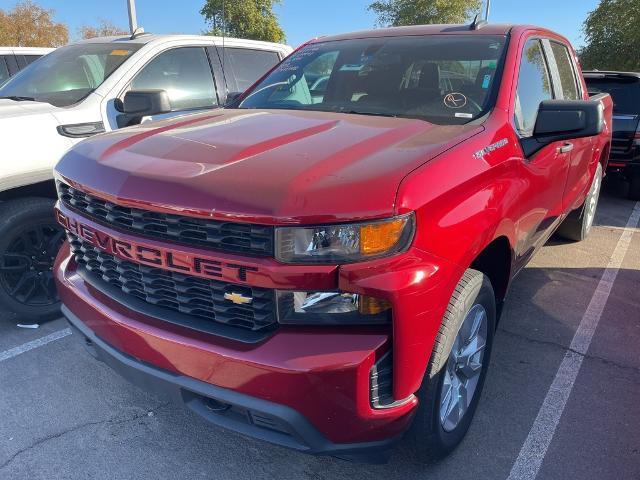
(566, 148)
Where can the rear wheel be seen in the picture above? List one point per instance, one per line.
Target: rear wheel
(578, 223)
(455, 376)
(29, 242)
(634, 185)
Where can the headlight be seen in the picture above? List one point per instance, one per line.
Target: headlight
(344, 243)
(331, 308)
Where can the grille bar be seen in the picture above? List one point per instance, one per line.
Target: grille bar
(219, 235)
(175, 292)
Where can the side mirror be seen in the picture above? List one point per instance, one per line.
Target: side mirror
(232, 97)
(143, 103)
(563, 120)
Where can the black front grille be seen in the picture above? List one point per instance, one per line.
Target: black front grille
(194, 297)
(233, 237)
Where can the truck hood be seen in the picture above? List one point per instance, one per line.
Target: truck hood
(263, 166)
(12, 108)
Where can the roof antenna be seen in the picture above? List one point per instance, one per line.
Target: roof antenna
(133, 21)
(477, 23)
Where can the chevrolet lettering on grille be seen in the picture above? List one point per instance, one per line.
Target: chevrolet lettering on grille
(156, 256)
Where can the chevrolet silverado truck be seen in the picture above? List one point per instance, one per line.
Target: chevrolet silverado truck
(78, 91)
(624, 88)
(322, 264)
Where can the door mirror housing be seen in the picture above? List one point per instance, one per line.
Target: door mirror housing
(564, 120)
(143, 103)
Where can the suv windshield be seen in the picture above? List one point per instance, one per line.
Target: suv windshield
(444, 79)
(68, 74)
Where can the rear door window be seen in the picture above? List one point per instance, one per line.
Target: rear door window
(534, 86)
(184, 73)
(247, 65)
(31, 58)
(4, 71)
(566, 71)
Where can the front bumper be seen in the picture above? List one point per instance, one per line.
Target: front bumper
(251, 416)
(321, 373)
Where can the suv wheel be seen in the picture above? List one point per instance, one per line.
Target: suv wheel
(634, 185)
(29, 242)
(455, 376)
(578, 223)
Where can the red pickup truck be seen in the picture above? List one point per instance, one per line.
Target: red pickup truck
(322, 264)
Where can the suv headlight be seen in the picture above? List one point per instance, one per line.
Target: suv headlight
(344, 243)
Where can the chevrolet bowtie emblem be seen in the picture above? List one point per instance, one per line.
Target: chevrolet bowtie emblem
(237, 298)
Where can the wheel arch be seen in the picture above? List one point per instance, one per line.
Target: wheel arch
(495, 260)
(46, 189)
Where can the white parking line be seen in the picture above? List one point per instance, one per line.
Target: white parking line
(25, 347)
(534, 449)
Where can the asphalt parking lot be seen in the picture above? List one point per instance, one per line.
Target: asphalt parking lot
(64, 415)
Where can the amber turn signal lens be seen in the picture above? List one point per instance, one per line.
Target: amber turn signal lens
(372, 306)
(380, 237)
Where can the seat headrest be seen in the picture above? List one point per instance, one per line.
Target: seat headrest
(429, 76)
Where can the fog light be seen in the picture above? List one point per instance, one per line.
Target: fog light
(331, 308)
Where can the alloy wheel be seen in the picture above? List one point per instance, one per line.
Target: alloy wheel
(593, 202)
(26, 266)
(463, 368)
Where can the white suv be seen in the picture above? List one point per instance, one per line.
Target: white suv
(14, 59)
(81, 90)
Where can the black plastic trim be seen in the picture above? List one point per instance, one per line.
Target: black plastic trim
(292, 429)
(176, 318)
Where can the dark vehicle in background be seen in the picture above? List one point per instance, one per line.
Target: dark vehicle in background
(14, 59)
(624, 88)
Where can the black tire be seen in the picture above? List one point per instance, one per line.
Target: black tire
(634, 186)
(29, 241)
(428, 438)
(579, 222)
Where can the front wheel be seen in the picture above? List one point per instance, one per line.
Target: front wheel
(29, 242)
(455, 376)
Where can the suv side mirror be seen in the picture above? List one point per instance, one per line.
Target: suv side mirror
(143, 103)
(563, 120)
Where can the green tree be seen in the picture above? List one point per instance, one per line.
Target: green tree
(612, 32)
(252, 19)
(29, 25)
(420, 12)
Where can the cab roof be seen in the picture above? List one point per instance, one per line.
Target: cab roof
(488, 29)
(144, 38)
(450, 29)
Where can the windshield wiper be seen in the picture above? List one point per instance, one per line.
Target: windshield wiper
(375, 114)
(19, 98)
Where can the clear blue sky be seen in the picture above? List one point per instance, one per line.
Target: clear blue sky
(304, 19)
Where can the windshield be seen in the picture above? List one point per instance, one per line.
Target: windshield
(444, 79)
(68, 74)
(625, 92)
